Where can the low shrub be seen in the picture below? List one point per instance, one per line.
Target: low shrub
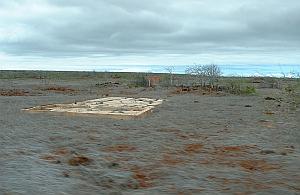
(248, 90)
(240, 87)
(138, 81)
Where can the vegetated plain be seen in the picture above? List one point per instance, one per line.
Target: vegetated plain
(240, 136)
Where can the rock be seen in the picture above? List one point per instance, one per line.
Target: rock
(267, 152)
(269, 113)
(66, 174)
(270, 98)
(264, 121)
(113, 165)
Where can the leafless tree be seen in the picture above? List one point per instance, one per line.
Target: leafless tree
(170, 70)
(206, 73)
(212, 73)
(196, 71)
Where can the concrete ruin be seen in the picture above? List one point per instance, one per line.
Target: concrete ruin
(120, 107)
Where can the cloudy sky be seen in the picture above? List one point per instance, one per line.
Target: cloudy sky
(54, 33)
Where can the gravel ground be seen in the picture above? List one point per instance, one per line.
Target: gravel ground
(191, 144)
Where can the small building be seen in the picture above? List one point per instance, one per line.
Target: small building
(153, 80)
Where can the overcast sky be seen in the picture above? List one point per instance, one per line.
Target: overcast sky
(104, 32)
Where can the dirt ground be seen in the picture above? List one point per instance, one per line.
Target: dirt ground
(191, 144)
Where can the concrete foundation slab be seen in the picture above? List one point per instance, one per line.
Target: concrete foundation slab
(122, 107)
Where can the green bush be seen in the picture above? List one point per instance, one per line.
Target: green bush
(139, 81)
(240, 86)
(248, 90)
(234, 86)
(290, 88)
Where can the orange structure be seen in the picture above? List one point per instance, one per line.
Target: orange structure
(153, 81)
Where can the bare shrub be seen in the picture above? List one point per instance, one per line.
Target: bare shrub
(292, 90)
(207, 74)
(170, 70)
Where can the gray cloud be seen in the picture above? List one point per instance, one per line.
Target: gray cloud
(57, 28)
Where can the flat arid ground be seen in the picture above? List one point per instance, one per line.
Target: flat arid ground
(193, 143)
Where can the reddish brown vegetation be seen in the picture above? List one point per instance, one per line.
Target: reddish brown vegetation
(248, 183)
(120, 148)
(61, 152)
(51, 159)
(171, 160)
(13, 92)
(240, 148)
(183, 135)
(269, 113)
(233, 151)
(183, 89)
(193, 148)
(237, 156)
(204, 90)
(258, 165)
(232, 148)
(59, 89)
(79, 160)
(142, 178)
(146, 176)
(180, 191)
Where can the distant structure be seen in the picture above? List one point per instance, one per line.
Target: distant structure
(153, 81)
